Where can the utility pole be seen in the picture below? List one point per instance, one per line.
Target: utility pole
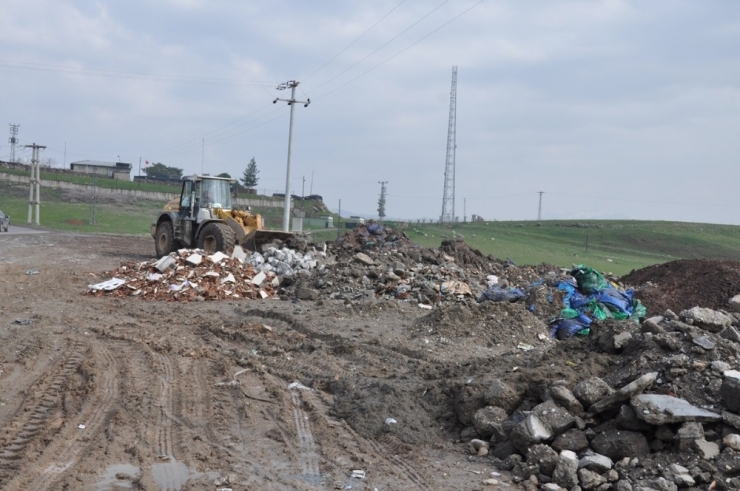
(35, 182)
(539, 210)
(311, 190)
(13, 140)
(202, 156)
(290, 84)
(465, 210)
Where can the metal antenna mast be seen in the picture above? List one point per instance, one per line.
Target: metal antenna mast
(539, 210)
(448, 198)
(13, 140)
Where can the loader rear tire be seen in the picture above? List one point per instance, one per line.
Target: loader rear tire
(164, 239)
(216, 237)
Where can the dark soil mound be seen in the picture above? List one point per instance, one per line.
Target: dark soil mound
(686, 283)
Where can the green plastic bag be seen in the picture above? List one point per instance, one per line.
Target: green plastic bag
(589, 280)
(638, 310)
(569, 313)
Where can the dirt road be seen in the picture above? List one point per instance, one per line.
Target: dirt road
(103, 393)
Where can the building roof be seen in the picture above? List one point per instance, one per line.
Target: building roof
(100, 163)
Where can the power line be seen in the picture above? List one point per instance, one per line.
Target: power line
(383, 45)
(47, 67)
(402, 51)
(353, 42)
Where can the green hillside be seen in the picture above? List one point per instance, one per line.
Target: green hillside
(615, 246)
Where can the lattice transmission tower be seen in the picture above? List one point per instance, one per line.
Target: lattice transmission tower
(448, 197)
(13, 140)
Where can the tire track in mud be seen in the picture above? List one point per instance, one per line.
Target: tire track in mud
(20, 471)
(308, 457)
(354, 443)
(95, 414)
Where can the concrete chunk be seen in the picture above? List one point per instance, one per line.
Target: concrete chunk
(364, 259)
(730, 390)
(708, 319)
(165, 263)
(635, 387)
(194, 259)
(658, 409)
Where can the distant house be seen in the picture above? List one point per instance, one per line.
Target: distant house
(115, 170)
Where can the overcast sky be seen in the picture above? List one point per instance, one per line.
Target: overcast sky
(614, 109)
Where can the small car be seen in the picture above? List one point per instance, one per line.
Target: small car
(4, 222)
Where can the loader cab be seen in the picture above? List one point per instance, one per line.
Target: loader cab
(202, 194)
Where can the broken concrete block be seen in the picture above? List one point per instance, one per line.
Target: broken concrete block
(259, 278)
(239, 253)
(635, 387)
(591, 390)
(679, 475)
(688, 434)
(566, 470)
(734, 303)
(652, 324)
(488, 422)
(557, 418)
(194, 259)
(731, 333)
(573, 439)
(658, 409)
(364, 258)
(590, 479)
(731, 419)
(732, 441)
(565, 398)
(501, 395)
(165, 263)
(217, 257)
(528, 432)
(621, 340)
(596, 462)
(617, 444)
(708, 319)
(730, 390)
(543, 456)
(706, 450)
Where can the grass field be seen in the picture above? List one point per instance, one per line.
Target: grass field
(615, 246)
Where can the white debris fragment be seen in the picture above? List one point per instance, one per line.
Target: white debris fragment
(194, 259)
(108, 285)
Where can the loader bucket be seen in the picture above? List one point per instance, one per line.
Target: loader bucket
(255, 239)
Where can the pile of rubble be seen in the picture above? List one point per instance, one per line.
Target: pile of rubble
(192, 275)
(665, 415)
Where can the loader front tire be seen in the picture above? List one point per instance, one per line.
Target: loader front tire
(216, 237)
(164, 239)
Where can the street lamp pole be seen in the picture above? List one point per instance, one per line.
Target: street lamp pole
(291, 84)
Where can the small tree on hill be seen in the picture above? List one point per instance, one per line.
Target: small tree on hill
(250, 179)
(224, 174)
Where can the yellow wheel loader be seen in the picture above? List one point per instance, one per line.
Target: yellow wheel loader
(203, 217)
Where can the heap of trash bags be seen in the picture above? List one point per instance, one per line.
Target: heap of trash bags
(589, 297)
(592, 298)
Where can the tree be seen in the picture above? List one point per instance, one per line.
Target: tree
(381, 206)
(159, 170)
(224, 174)
(250, 179)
